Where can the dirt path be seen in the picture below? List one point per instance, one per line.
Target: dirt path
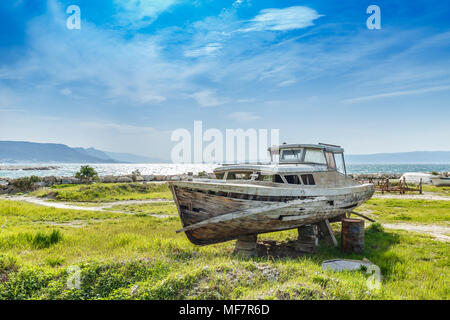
(104, 206)
(425, 196)
(437, 231)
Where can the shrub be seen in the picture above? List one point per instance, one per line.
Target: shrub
(376, 227)
(43, 240)
(87, 174)
(54, 261)
(26, 183)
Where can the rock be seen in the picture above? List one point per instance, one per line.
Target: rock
(37, 185)
(65, 180)
(124, 179)
(49, 180)
(108, 179)
(175, 178)
(149, 177)
(138, 179)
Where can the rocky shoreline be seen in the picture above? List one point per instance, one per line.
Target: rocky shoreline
(11, 186)
(28, 168)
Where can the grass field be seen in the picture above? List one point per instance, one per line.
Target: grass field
(407, 210)
(137, 256)
(147, 208)
(105, 192)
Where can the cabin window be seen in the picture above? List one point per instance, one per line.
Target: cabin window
(292, 179)
(308, 179)
(277, 179)
(315, 156)
(330, 160)
(239, 176)
(219, 176)
(340, 164)
(294, 155)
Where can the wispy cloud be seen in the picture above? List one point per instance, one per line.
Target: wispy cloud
(120, 128)
(209, 49)
(207, 98)
(243, 116)
(291, 18)
(396, 94)
(140, 13)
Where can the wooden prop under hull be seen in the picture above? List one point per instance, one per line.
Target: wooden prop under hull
(210, 218)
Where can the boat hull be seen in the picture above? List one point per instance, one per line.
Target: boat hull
(216, 212)
(441, 182)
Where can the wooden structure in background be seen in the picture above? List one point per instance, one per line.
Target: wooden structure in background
(402, 187)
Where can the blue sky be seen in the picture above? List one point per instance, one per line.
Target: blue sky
(137, 70)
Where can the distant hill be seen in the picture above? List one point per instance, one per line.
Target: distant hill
(30, 152)
(133, 158)
(20, 151)
(121, 157)
(401, 157)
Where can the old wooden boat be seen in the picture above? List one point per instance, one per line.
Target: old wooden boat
(303, 184)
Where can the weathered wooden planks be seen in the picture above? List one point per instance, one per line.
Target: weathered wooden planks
(219, 218)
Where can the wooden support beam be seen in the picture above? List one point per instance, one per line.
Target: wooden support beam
(246, 246)
(362, 216)
(308, 240)
(327, 232)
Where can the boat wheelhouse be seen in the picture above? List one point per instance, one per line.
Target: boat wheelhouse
(299, 164)
(303, 184)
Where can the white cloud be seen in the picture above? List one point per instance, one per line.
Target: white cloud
(140, 13)
(209, 49)
(287, 83)
(65, 92)
(291, 18)
(396, 94)
(118, 127)
(243, 116)
(207, 98)
(248, 100)
(240, 3)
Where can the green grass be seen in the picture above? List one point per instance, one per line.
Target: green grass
(105, 192)
(440, 190)
(141, 257)
(407, 210)
(147, 208)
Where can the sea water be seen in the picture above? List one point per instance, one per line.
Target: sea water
(69, 169)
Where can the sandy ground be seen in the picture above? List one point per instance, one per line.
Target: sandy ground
(101, 207)
(438, 232)
(424, 196)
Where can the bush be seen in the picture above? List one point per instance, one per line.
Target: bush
(87, 174)
(26, 183)
(43, 240)
(376, 227)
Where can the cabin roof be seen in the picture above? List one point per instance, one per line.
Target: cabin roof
(273, 168)
(322, 146)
